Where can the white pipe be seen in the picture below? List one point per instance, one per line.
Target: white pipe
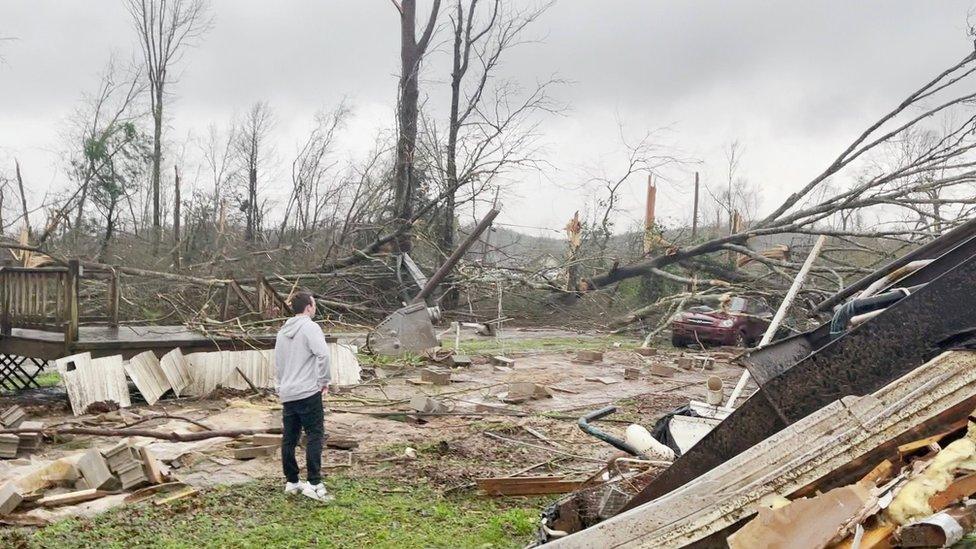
(780, 315)
(714, 387)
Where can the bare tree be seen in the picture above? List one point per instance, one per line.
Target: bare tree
(310, 195)
(412, 51)
(878, 181)
(164, 28)
(254, 152)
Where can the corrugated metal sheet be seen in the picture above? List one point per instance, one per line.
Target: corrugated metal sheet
(344, 366)
(175, 369)
(145, 371)
(88, 381)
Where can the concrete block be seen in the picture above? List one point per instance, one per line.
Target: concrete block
(646, 351)
(8, 446)
(12, 417)
(30, 441)
(266, 439)
(93, 467)
(120, 456)
(460, 361)
(589, 357)
(661, 370)
(251, 452)
(425, 404)
(10, 498)
(632, 373)
(499, 360)
(435, 376)
(133, 475)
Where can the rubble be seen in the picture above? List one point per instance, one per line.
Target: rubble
(519, 392)
(589, 357)
(435, 376)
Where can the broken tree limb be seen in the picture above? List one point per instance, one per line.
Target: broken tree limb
(779, 316)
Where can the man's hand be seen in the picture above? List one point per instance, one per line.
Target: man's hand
(325, 390)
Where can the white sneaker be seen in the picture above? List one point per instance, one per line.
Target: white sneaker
(295, 487)
(317, 492)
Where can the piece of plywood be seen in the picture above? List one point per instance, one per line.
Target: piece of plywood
(803, 523)
(527, 486)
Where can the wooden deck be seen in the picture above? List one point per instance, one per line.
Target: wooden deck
(125, 340)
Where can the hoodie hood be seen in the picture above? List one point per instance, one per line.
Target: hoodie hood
(293, 325)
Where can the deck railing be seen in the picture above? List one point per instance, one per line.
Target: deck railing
(46, 298)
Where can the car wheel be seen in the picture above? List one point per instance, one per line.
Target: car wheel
(678, 342)
(740, 340)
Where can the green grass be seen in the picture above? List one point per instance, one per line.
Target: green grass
(366, 513)
(48, 379)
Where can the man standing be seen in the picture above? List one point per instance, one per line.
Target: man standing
(302, 363)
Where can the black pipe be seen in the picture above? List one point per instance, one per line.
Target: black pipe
(604, 436)
(856, 307)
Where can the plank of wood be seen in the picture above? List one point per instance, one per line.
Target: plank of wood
(186, 492)
(526, 486)
(916, 445)
(71, 498)
(151, 465)
(959, 489)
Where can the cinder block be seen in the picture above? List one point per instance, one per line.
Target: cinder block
(10, 498)
(589, 357)
(93, 467)
(12, 417)
(435, 376)
(632, 373)
(30, 441)
(266, 439)
(460, 361)
(8, 446)
(132, 475)
(499, 360)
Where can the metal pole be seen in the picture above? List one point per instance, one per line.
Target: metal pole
(780, 315)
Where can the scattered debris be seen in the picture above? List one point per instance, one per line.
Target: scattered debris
(631, 374)
(427, 405)
(499, 360)
(89, 381)
(8, 446)
(12, 417)
(460, 361)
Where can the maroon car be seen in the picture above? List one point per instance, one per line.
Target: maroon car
(740, 322)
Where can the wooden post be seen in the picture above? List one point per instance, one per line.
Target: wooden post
(177, 260)
(71, 300)
(649, 215)
(113, 298)
(780, 315)
(694, 211)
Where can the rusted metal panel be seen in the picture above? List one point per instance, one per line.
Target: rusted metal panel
(859, 362)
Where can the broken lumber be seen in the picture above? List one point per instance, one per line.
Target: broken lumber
(70, 498)
(526, 486)
(810, 449)
(172, 436)
(10, 498)
(939, 530)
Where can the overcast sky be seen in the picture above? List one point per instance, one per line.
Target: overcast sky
(792, 81)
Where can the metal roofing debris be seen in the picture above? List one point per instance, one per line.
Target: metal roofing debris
(343, 365)
(819, 445)
(174, 367)
(88, 381)
(145, 371)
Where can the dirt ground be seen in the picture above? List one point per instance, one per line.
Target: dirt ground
(448, 451)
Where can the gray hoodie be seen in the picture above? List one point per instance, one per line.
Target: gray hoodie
(301, 359)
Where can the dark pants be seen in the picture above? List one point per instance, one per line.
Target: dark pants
(304, 414)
